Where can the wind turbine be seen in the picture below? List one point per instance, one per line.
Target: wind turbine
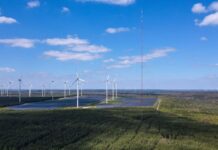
(69, 90)
(8, 89)
(116, 89)
(65, 88)
(81, 90)
(77, 81)
(106, 90)
(5, 89)
(30, 89)
(20, 81)
(51, 90)
(1, 90)
(43, 90)
(113, 82)
(9, 86)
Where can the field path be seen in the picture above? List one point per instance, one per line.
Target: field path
(158, 106)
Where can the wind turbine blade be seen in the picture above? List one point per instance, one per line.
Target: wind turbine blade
(74, 81)
(77, 75)
(81, 80)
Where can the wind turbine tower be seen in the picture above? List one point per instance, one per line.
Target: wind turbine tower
(69, 93)
(113, 89)
(52, 94)
(43, 90)
(30, 90)
(20, 81)
(116, 89)
(65, 88)
(77, 81)
(9, 87)
(7, 90)
(106, 90)
(1, 90)
(81, 90)
(142, 53)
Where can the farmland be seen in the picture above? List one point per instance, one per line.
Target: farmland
(184, 121)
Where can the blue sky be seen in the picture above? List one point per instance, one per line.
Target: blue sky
(45, 40)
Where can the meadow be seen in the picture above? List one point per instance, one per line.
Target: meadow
(183, 122)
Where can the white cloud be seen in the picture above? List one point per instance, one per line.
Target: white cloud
(89, 48)
(213, 6)
(199, 8)
(77, 44)
(117, 66)
(74, 48)
(7, 20)
(126, 61)
(203, 38)
(18, 42)
(33, 4)
(82, 49)
(65, 9)
(114, 2)
(69, 41)
(137, 59)
(108, 60)
(117, 30)
(64, 56)
(7, 69)
(210, 20)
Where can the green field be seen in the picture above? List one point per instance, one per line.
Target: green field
(180, 123)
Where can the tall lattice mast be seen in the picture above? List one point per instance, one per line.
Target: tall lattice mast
(142, 52)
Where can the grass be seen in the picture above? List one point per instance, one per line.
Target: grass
(115, 101)
(180, 124)
(111, 101)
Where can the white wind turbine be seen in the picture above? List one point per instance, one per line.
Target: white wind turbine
(65, 89)
(77, 81)
(1, 86)
(81, 89)
(30, 90)
(106, 90)
(19, 90)
(2, 90)
(113, 82)
(9, 87)
(51, 90)
(7, 90)
(69, 90)
(43, 90)
(116, 89)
